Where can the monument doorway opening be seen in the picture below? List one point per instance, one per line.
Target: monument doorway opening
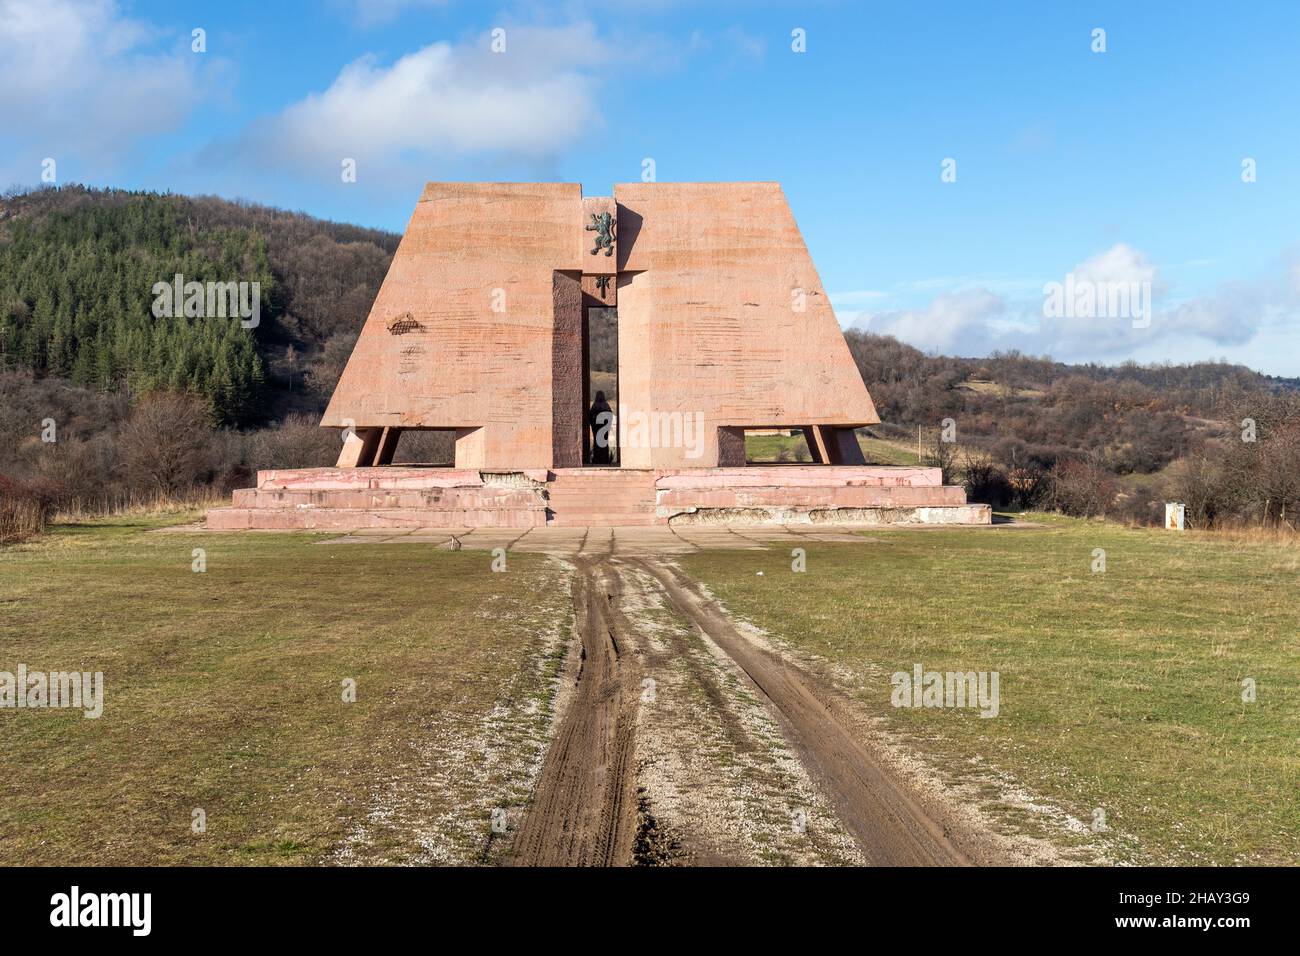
(600, 386)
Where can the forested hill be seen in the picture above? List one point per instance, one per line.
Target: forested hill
(78, 266)
(78, 269)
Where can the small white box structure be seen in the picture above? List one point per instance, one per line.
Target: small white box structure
(1175, 516)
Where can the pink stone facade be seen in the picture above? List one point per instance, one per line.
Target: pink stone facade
(721, 312)
(481, 328)
(461, 335)
(723, 324)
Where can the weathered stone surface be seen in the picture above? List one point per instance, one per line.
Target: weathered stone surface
(432, 499)
(345, 519)
(812, 497)
(797, 475)
(839, 517)
(336, 498)
(391, 477)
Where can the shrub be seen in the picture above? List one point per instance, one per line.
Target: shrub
(942, 455)
(25, 508)
(985, 482)
(166, 444)
(1082, 488)
(297, 442)
(1206, 488)
(1140, 504)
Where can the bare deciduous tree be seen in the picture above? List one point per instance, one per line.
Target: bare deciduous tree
(166, 444)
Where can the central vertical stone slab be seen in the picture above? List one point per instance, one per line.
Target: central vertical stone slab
(568, 368)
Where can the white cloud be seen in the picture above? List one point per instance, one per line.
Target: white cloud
(1120, 263)
(1119, 267)
(78, 77)
(535, 100)
(975, 321)
(953, 323)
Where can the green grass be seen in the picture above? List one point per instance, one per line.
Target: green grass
(223, 692)
(876, 451)
(763, 448)
(1120, 690)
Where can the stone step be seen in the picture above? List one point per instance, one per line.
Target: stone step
(343, 519)
(580, 501)
(589, 471)
(440, 499)
(807, 476)
(396, 477)
(590, 519)
(845, 497)
(602, 483)
(601, 504)
(402, 497)
(557, 491)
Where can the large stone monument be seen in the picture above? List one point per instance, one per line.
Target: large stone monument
(481, 329)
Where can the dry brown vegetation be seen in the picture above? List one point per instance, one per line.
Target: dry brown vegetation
(25, 509)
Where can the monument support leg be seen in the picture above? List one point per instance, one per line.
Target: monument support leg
(359, 448)
(816, 443)
(833, 445)
(842, 444)
(471, 447)
(386, 446)
(367, 447)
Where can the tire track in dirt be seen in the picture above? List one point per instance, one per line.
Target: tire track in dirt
(584, 809)
(891, 825)
(713, 763)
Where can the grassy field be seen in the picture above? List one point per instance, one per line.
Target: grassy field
(1120, 690)
(224, 693)
(876, 451)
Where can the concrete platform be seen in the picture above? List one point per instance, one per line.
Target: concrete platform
(436, 501)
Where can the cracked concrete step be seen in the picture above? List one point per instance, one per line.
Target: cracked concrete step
(343, 519)
(435, 499)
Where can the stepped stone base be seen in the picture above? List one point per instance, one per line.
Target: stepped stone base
(411, 497)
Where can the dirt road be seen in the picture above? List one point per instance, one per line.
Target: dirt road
(583, 812)
(891, 825)
(586, 808)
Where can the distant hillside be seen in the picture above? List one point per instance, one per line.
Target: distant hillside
(1029, 410)
(77, 270)
(79, 345)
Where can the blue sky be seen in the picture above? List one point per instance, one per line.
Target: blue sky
(1122, 165)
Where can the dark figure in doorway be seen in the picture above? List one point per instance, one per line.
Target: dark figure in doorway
(600, 419)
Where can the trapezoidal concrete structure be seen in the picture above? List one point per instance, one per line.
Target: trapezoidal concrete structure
(481, 329)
